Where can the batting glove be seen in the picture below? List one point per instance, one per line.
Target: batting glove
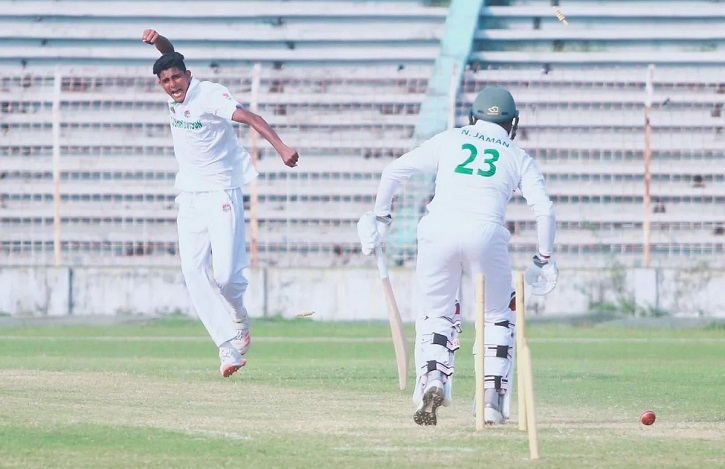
(542, 275)
(371, 230)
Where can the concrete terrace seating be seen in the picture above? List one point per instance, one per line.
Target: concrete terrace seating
(600, 32)
(117, 169)
(227, 33)
(340, 80)
(119, 215)
(581, 91)
(314, 112)
(586, 129)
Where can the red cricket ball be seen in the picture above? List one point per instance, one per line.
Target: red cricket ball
(647, 417)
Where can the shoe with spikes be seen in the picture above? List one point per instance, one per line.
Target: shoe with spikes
(427, 411)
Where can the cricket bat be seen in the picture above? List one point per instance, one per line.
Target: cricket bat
(396, 323)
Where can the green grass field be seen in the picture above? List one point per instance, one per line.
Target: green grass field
(320, 395)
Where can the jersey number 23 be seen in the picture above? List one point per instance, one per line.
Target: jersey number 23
(490, 158)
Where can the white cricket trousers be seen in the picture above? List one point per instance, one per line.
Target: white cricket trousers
(446, 248)
(211, 233)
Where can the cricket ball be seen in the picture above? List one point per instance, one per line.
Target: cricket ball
(647, 417)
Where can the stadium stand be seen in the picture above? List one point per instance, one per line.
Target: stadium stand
(346, 109)
(582, 91)
(598, 32)
(225, 33)
(345, 82)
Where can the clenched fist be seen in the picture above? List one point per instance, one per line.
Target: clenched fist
(150, 36)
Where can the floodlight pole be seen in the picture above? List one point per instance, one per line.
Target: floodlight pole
(254, 152)
(55, 113)
(647, 164)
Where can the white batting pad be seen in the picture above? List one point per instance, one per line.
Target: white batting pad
(499, 342)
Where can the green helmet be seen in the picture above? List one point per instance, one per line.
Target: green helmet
(494, 105)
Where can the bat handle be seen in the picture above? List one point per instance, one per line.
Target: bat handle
(382, 262)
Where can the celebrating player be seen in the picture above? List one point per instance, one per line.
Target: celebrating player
(212, 169)
(477, 169)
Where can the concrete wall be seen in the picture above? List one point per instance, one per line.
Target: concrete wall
(338, 294)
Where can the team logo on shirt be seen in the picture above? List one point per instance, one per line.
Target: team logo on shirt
(179, 124)
(187, 114)
(226, 207)
(226, 95)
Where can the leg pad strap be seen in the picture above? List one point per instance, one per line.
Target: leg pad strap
(451, 345)
(433, 365)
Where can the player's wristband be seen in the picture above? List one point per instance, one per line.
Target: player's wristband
(387, 219)
(540, 262)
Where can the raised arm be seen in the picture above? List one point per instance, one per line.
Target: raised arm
(289, 156)
(151, 36)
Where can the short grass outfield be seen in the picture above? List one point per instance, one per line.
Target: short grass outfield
(325, 395)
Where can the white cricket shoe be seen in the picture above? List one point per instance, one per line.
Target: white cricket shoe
(427, 411)
(243, 339)
(492, 414)
(231, 360)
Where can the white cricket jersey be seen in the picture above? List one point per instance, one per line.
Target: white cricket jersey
(205, 141)
(477, 169)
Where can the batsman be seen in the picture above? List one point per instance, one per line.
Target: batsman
(477, 168)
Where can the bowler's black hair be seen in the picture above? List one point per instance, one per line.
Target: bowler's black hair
(170, 60)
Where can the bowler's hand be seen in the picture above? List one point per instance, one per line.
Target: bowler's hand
(290, 157)
(150, 36)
